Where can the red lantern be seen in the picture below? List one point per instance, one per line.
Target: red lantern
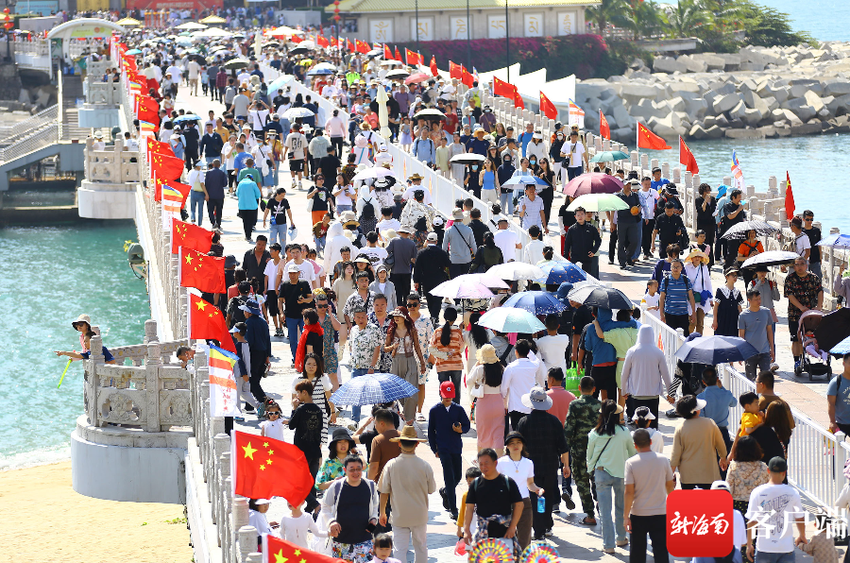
(6, 10)
(8, 25)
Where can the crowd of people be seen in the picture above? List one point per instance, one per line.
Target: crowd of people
(359, 301)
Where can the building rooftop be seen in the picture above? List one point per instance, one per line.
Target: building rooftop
(389, 6)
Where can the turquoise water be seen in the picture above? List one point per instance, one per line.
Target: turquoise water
(825, 20)
(49, 276)
(817, 165)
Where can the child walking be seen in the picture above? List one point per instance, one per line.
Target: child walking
(294, 528)
(307, 422)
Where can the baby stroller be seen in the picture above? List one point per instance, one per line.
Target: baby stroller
(814, 360)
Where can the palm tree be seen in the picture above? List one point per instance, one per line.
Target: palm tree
(645, 18)
(608, 11)
(687, 16)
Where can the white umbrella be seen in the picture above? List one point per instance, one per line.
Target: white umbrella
(294, 113)
(516, 271)
(373, 172)
(325, 66)
(212, 32)
(191, 25)
(383, 114)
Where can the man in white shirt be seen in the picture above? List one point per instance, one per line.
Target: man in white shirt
(176, 72)
(273, 271)
(296, 145)
(194, 70)
(574, 151)
(533, 251)
(802, 244)
(308, 274)
(531, 209)
(773, 507)
(506, 240)
(243, 78)
(416, 184)
(372, 251)
(387, 222)
(520, 376)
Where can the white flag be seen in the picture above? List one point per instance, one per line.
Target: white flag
(224, 395)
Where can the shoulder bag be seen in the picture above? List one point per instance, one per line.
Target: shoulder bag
(463, 238)
(602, 452)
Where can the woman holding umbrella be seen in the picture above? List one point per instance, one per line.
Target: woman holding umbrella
(403, 343)
(547, 194)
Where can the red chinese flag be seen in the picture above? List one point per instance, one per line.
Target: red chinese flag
(349, 45)
(518, 102)
(433, 65)
(455, 70)
(159, 146)
(157, 191)
(604, 129)
(466, 77)
(413, 58)
(397, 54)
(165, 166)
(388, 54)
(547, 107)
(686, 157)
(204, 273)
(504, 89)
(266, 467)
(334, 42)
(649, 140)
(191, 236)
(790, 206)
(276, 549)
(322, 41)
(361, 46)
(206, 322)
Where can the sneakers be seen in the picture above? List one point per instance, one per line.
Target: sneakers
(567, 499)
(623, 543)
(610, 550)
(261, 411)
(300, 187)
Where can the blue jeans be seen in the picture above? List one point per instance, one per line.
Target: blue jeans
(815, 268)
(320, 244)
(640, 241)
(209, 159)
(610, 489)
(506, 201)
(293, 330)
(355, 410)
(762, 557)
(277, 233)
(197, 206)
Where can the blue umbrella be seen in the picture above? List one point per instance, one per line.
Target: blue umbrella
(560, 272)
(186, 118)
(713, 350)
(280, 83)
(841, 348)
(133, 52)
(510, 319)
(524, 181)
(837, 240)
(373, 389)
(320, 71)
(535, 302)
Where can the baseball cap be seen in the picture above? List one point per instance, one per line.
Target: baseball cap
(432, 236)
(775, 465)
(293, 269)
(447, 390)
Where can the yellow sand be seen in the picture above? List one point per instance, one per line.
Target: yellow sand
(43, 519)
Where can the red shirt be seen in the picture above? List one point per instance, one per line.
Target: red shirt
(451, 122)
(561, 399)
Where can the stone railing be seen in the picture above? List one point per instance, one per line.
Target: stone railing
(35, 48)
(150, 394)
(102, 93)
(113, 165)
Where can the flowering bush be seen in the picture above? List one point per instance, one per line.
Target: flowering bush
(586, 56)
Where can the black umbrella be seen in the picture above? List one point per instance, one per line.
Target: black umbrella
(594, 295)
(833, 328)
(713, 350)
(299, 50)
(235, 64)
(430, 115)
(740, 230)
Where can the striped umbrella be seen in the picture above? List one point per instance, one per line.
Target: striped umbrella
(535, 302)
(373, 389)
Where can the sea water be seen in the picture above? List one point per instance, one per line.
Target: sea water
(48, 277)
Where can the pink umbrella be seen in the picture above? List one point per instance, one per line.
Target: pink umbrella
(593, 183)
(417, 77)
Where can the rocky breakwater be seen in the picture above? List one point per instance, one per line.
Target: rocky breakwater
(755, 93)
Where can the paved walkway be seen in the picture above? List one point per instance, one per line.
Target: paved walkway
(571, 539)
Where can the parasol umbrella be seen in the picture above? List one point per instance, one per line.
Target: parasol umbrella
(309, 45)
(598, 202)
(191, 25)
(536, 302)
(186, 118)
(609, 156)
(740, 230)
(184, 41)
(833, 328)
(595, 295)
(373, 389)
(429, 114)
(486, 279)
(294, 113)
(373, 172)
(510, 319)
(280, 82)
(128, 22)
(462, 289)
(235, 64)
(271, 44)
(133, 52)
(239, 35)
(383, 113)
(390, 62)
(771, 258)
(525, 181)
(417, 77)
(836, 240)
(198, 57)
(299, 50)
(213, 32)
(185, 34)
(325, 66)
(397, 74)
(374, 53)
(467, 158)
(516, 271)
(213, 19)
(560, 272)
(319, 72)
(713, 350)
(593, 183)
(841, 348)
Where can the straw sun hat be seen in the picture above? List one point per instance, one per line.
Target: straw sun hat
(487, 354)
(697, 252)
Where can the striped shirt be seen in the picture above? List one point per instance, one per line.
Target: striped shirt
(676, 298)
(449, 358)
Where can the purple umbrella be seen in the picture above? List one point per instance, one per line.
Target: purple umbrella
(593, 183)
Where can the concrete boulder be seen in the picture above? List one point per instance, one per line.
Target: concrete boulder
(621, 116)
(738, 111)
(712, 61)
(714, 132)
(634, 92)
(726, 102)
(814, 100)
(801, 108)
(806, 129)
(836, 88)
(752, 117)
(668, 65)
(692, 64)
(676, 88)
(743, 134)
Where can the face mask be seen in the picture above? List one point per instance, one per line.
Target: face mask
(532, 161)
(475, 167)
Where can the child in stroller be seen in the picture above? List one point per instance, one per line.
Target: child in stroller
(814, 361)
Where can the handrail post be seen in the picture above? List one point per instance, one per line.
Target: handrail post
(153, 365)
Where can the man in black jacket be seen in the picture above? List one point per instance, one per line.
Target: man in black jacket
(190, 133)
(259, 345)
(669, 227)
(254, 262)
(628, 224)
(582, 242)
(211, 145)
(478, 227)
(431, 269)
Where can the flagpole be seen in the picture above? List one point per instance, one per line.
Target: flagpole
(637, 142)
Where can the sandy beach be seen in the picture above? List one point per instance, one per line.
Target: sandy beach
(45, 520)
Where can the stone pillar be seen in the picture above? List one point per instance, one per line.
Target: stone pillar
(597, 143)
(644, 161)
(238, 519)
(771, 182)
(153, 363)
(665, 168)
(677, 176)
(247, 542)
(749, 190)
(92, 379)
(150, 331)
(606, 145)
(654, 163)
(727, 180)
(634, 158)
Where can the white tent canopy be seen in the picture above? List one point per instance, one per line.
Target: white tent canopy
(501, 74)
(529, 85)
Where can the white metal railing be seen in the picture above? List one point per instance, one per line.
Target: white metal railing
(816, 457)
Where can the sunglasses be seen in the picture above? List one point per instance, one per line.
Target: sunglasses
(274, 413)
(321, 306)
(413, 304)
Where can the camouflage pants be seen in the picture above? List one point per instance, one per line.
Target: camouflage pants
(583, 480)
